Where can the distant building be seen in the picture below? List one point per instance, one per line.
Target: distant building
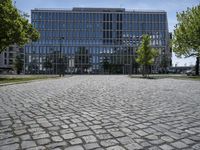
(94, 40)
(7, 57)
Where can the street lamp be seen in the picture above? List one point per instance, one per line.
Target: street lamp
(60, 62)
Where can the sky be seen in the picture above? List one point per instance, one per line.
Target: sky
(170, 6)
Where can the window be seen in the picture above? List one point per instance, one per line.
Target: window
(156, 17)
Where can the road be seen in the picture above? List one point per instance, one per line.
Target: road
(100, 112)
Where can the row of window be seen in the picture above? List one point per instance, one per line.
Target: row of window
(98, 26)
(84, 35)
(156, 42)
(79, 59)
(55, 50)
(155, 17)
(37, 63)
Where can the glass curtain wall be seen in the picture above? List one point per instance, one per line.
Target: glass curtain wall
(93, 41)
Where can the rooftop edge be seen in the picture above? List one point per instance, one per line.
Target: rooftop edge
(94, 9)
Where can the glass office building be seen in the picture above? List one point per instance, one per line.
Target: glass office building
(94, 40)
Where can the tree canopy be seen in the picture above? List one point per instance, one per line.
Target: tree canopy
(186, 39)
(187, 32)
(14, 27)
(145, 54)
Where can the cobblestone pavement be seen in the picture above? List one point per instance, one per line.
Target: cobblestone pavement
(100, 112)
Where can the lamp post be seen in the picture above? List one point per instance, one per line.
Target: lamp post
(60, 62)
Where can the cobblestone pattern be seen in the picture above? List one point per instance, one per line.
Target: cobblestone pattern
(100, 112)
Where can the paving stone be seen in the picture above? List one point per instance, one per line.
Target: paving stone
(65, 131)
(108, 111)
(117, 134)
(35, 129)
(154, 148)
(19, 132)
(133, 146)
(91, 146)
(38, 148)
(6, 135)
(125, 140)
(157, 142)
(196, 146)
(141, 133)
(56, 145)
(53, 133)
(56, 139)
(54, 128)
(65, 126)
(40, 136)
(69, 136)
(75, 148)
(187, 141)
(99, 131)
(115, 148)
(179, 144)
(152, 137)
(195, 138)
(167, 138)
(173, 135)
(96, 127)
(6, 123)
(110, 142)
(75, 141)
(104, 136)
(80, 128)
(166, 147)
(25, 137)
(72, 125)
(89, 138)
(145, 144)
(27, 144)
(9, 141)
(88, 132)
(45, 124)
(141, 126)
(10, 147)
(43, 141)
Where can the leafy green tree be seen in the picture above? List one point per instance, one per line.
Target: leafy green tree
(187, 34)
(18, 64)
(47, 64)
(82, 59)
(146, 55)
(164, 63)
(106, 64)
(14, 27)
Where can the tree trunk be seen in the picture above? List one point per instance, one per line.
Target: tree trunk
(143, 70)
(197, 66)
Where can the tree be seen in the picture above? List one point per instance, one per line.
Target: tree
(18, 64)
(82, 60)
(187, 34)
(106, 64)
(145, 55)
(14, 27)
(164, 63)
(48, 64)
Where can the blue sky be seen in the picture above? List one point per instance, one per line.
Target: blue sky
(170, 6)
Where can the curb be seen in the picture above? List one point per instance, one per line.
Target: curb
(22, 82)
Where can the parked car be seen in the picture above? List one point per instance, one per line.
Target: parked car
(171, 71)
(190, 72)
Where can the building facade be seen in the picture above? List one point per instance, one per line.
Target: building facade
(7, 58)
(94, 40)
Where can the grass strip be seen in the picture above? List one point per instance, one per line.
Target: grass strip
(4, 80)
